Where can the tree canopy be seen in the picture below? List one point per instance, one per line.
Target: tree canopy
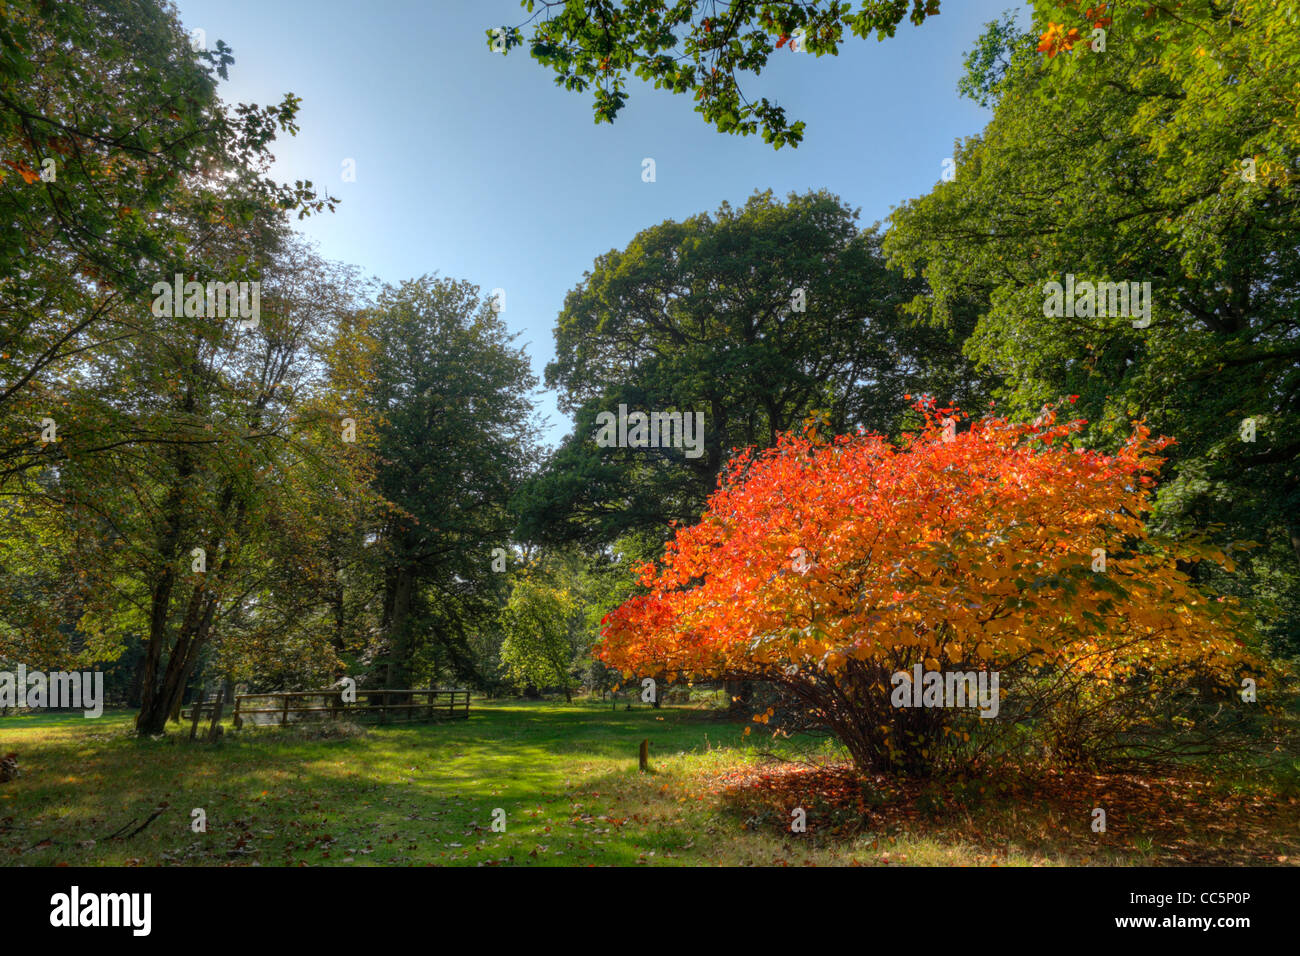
(450, 405)
(756, 317)
(1166, 158)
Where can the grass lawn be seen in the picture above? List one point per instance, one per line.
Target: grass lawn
(566, 777)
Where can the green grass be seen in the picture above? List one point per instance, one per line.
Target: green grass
(566, 777)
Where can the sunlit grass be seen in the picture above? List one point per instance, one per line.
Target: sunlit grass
(565, 776)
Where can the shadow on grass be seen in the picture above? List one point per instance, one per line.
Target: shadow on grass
(565, 781)
(418, 793)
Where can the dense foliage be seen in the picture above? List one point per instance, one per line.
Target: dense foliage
(829, 566)
(754, 318)
(1168, 158)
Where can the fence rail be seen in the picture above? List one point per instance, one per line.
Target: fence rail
(287, 707)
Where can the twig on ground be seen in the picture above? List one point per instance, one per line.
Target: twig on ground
(117, 834)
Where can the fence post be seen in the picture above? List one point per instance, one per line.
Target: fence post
(197, 705)
(284, 718)
(216, 716)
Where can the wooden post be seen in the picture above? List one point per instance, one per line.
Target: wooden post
(284, 718)
(216, 716)
(238, 722)
(645, 756)
(197, 704)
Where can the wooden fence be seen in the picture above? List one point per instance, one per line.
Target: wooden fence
(287, 707)
(211, 707)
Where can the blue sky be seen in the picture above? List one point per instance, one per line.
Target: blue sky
(476, 166)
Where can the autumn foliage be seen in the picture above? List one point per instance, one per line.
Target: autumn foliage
(826, 566)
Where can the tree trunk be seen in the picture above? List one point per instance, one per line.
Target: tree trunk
(340, 614)
(399, 586)
(739, 693)
(164, 700)
(152, 718)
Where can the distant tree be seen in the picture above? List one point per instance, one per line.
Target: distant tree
(450, 408)
(755, 318)
(539, 626)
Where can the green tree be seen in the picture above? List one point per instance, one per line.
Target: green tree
(1167, 158)
(121, 167)
(756, 318)
(451, 410)
(206, 519)
(107, 117)
(541, 625)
